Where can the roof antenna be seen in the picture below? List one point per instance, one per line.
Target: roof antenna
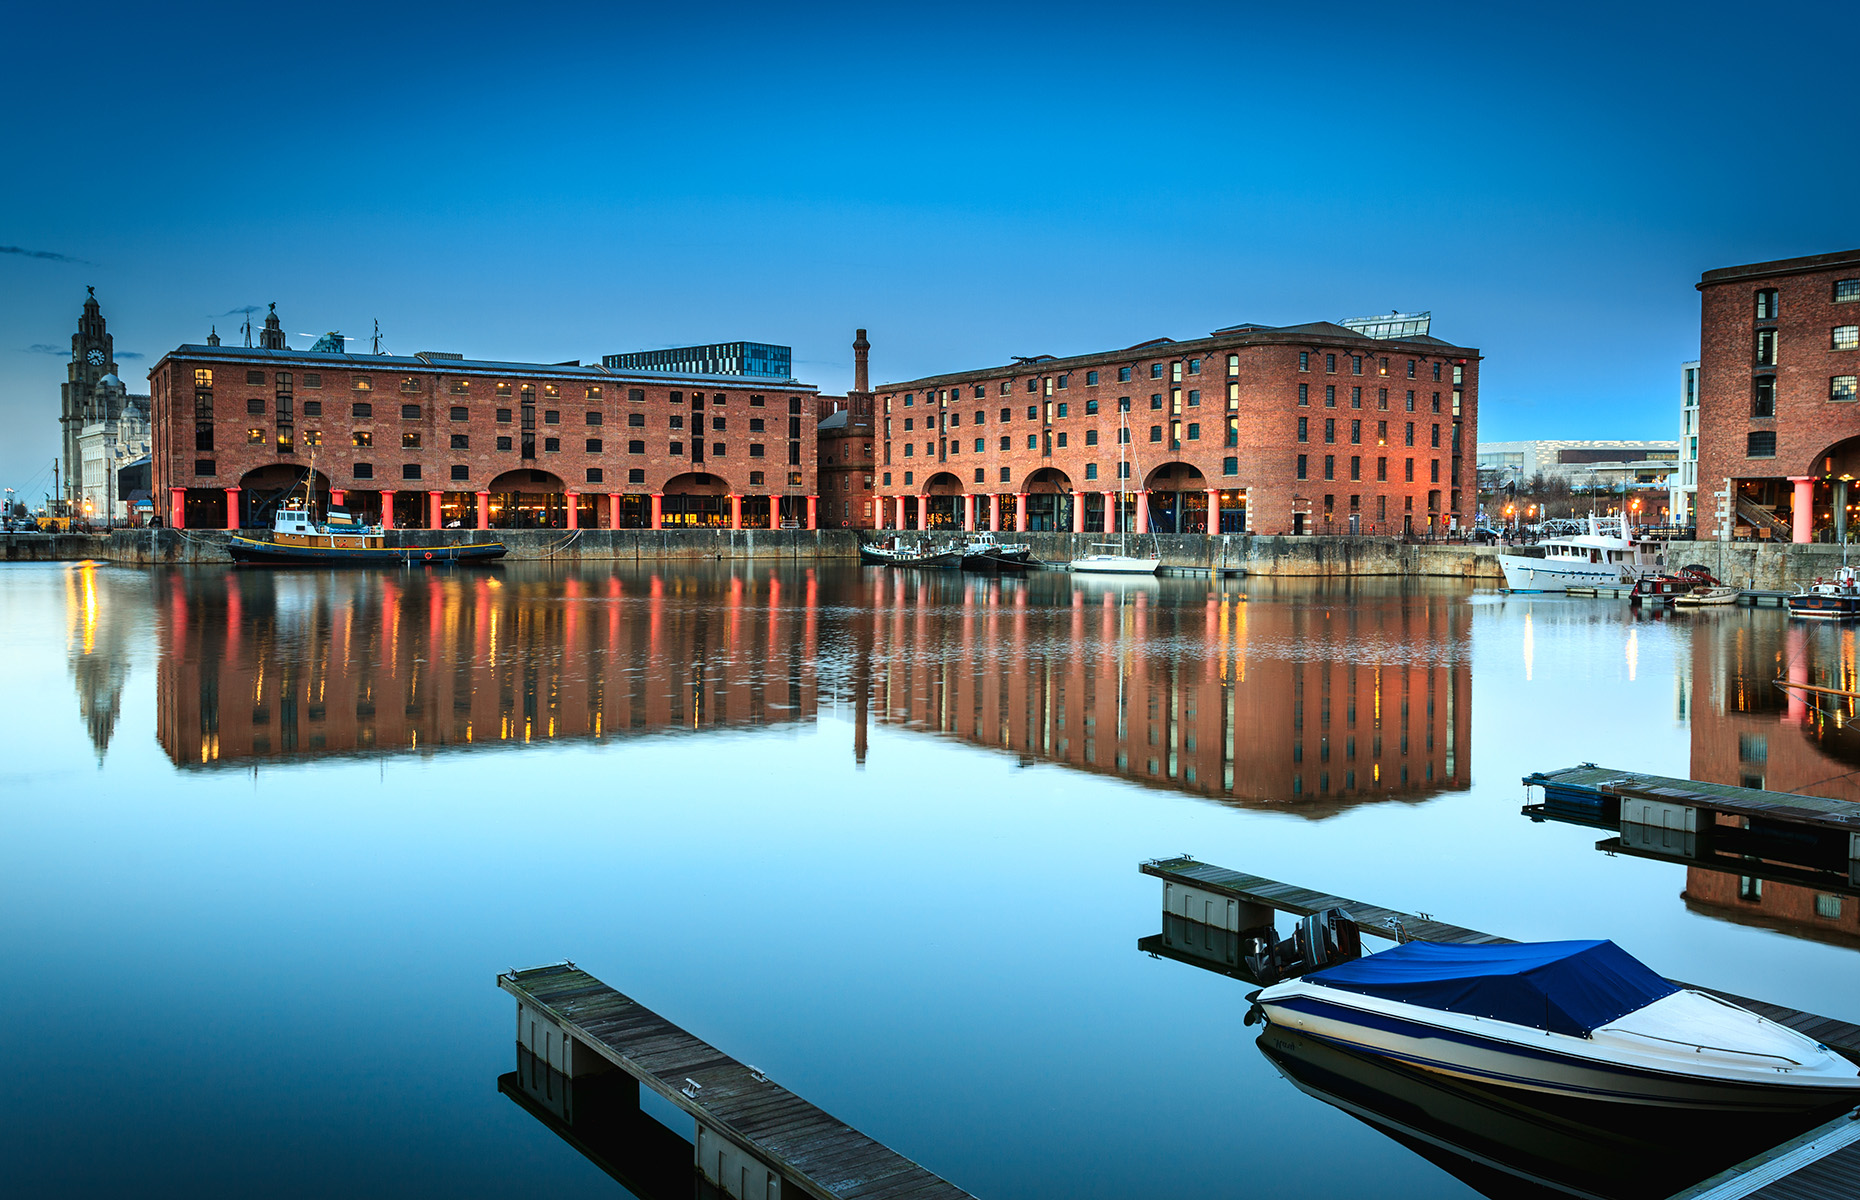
(377, 335)
(248, 328)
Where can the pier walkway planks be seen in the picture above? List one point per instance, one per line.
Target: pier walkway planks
(1715, 797)
(815, 1153)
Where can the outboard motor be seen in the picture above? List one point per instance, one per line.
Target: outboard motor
(1320, 940)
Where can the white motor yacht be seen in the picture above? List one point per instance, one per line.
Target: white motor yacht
(1608, 555)
(1582, 1019)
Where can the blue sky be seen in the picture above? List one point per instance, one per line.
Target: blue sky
(969, 182)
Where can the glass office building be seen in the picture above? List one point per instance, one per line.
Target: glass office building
(755, 360)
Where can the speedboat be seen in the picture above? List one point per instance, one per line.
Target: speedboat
(1575, 1019)
(1608, 555)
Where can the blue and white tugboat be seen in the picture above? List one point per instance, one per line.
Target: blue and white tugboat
(1579, 1019)
(1834, 599)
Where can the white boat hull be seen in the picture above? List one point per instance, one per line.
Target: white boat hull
(1616, 1063)
(1115, 564)
(1526, 574)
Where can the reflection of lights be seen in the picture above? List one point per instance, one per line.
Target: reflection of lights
(1530, 645)
(1633, 653)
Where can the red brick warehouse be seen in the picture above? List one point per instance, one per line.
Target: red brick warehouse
(432, 439)
(1364, 426)
(1779, 426)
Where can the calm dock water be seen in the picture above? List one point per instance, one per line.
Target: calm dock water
(881, 826)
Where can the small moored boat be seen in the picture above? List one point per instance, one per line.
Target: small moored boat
(1578, 1019)
(297, 538)
(983, 552)
(1828, 599)
(1707, 596)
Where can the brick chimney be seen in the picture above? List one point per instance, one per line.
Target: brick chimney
(861, 348)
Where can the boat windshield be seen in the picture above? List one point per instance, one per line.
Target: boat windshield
(1562, 987)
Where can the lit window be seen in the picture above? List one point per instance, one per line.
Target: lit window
(1846, 337)
(1841, 387)
(1846, 291)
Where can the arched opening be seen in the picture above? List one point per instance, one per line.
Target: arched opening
(695, 499)
(263, 489)
(1178, 499)
(943, 502)
(528, 499)
(1833, 502)
(1049, 500)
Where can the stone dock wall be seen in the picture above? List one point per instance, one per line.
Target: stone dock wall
(1236, 553)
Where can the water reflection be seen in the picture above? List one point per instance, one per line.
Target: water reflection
(1509, 1144)
(266, 665)
(99, 617)
(1313, 703)
(600, 1116)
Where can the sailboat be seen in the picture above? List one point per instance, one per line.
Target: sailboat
(1121, 562)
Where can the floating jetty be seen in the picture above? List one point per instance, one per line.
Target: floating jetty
(1712, 824)
(756, 1140)
(1207, 910)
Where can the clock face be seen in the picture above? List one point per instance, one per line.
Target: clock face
(94, 358)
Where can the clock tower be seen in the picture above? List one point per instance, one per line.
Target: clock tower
(83, 402)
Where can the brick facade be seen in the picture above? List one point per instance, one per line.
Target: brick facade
(847, 457)
(1779, 346)
(239, 426)
(1385, 430)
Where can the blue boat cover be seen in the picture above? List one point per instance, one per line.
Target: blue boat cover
(1564, 987)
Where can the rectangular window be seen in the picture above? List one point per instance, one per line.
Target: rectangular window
(1091, 471)
(1304, 429)
(1301, 466)
(410, 441)
(1330, 395)
(1382, 470)
(1356, 364)
(1330, 430)
(1766, 347)
(364, 470)
(1408, 434)
(362, 437)
(503, 443)
(594, 445)
(362, 383)
(1356, 467)
(410, 471)
(461, 441)
(1091, 437)
(1841, 387)
(1123, 374)
(361, 410)
(1330, 364)
(1156, 370)
(312, 437)
(1356, 397)
(1408, 471)
(1194, 431)
(1411, 368)
(1304, 394)
(254, 437)
(552, 416)
(1091, 379)
(1064, 381)
(410, 412)
(1004, 443)
(1330, 466)
(1382, 433)
(1766, 304)
(503, 416)
(552, 444)
(1091, 409)
(460, 472)
(1033, 441)
(1304, 360)
(313, 408)
(1846, 337)
(460, 414)
(1433, 471)
(594, 418)
(255, 377)
(636, 447)
(1436, 442)
(1356, 433)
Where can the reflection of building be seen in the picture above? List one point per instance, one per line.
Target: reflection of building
(1305, 705)
(1748, 732)
(434, 439)
(257, 665)
(1314, 428)
(98, 621)
(1779, 357)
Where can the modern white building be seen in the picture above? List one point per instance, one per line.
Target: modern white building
(1683, 487)
(1582, 465)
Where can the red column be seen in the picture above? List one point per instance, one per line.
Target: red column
(1143, 512)
(1078, 512)
(1804, 525)
(994, 512)
(1110, 511)
(337, 496)
(1020, 512)
(484, 510)
(813, 516)
(232, 509)
(613, 510)
(574, 510)
(1214, 511)
(656, 498)
(387, 509)
(437, 517)
(736, 511)
(177, 508)
(923, 511)
(968, 510)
